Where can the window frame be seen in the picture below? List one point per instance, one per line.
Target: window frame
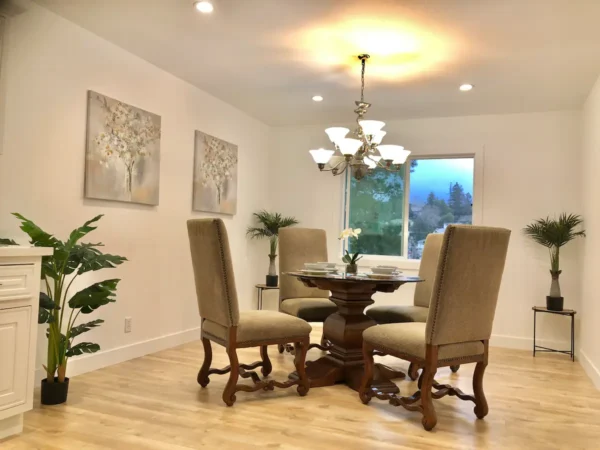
(403, 261)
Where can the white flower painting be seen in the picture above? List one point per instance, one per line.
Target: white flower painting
(215, 175)
(123, 152)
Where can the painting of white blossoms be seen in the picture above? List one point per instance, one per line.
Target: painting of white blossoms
(123, 152)
(215, 175)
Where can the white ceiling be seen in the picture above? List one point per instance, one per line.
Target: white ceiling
(269, 57)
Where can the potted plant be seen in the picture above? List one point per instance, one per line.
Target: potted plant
(350, 259)
(270, 223)
(553, 234)
(70, 259)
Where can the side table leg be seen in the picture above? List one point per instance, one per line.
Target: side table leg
(573, 337)
(534, 316)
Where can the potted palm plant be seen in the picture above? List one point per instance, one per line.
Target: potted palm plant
(269, 225)
(553, 234)
(59, 309)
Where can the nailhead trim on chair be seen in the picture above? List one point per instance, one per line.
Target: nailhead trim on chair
(223, 266)
(445, 251)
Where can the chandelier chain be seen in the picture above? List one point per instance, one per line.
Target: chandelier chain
(362, 80)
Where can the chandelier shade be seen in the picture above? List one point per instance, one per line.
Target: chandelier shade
(362, 152)
(321, 156)
(349, 146)
(371, 127)
(390, 152)
(336, 134)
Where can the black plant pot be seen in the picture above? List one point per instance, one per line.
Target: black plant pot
(54, 393)
(555, 303)
(272, 280)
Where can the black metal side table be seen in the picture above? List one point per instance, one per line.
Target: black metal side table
(260, 288)
(564, 312)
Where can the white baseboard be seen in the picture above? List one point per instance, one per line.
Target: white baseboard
(589, 367)
(526, 343)
(95, 361)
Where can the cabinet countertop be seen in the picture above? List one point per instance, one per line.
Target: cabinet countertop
(19, 250)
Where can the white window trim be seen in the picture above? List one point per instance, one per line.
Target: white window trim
(401, 261)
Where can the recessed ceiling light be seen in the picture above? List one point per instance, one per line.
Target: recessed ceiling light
(317, 98)
(204, 6)
(466, 87)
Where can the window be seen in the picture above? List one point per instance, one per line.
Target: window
(396, 211)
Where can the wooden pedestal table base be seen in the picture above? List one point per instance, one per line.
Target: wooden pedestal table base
(344, 363)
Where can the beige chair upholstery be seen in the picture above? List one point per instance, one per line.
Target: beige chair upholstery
(259, 326)
(419, 310)
(459, 323)
(223, 323)
(296, 247)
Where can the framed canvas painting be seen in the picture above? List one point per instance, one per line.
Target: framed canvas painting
(122, 153)
(215, 175)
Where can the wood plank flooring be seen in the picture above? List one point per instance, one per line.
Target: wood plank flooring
(154, 403)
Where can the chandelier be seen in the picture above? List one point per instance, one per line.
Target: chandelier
(362, 153)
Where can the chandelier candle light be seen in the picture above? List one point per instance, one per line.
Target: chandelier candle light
(362, 153)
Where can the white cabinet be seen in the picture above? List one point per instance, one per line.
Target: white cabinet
(15, 325)
(20, 269)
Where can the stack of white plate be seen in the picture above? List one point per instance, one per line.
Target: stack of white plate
(319, 268)
(384, 272)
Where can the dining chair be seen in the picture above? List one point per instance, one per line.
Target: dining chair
(417, 312)
(459, 322)
(224, 324)
(296, 247)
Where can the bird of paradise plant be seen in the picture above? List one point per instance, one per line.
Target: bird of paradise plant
(69, 260)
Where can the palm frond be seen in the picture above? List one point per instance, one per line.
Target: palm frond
(555, 232)
(271, 223)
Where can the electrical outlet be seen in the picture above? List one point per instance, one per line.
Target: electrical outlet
(127, 324)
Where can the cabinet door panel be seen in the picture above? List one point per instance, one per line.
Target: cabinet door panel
(15, 326)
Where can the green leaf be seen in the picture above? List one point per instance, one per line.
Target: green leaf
(94, 296)
(92, 259)
(81, 348)
(84, 327)
(80, 232)
(4, 241)
(47, 306)
(39, 237)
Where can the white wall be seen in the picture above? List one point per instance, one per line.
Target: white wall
(590, 311)
(527, 166)
(51, 63)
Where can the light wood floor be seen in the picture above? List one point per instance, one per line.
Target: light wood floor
(154, 403)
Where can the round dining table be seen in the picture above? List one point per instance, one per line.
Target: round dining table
(344, 361)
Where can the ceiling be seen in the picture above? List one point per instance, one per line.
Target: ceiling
(269, 57)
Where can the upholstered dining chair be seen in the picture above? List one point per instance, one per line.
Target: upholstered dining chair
(418, 311)
(296, 247)
(459, 322)
(224, 324)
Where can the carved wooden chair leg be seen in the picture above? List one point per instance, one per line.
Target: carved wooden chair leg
(413, 371)
(229, 391)
(280, 348)
(429, 416)
(203, 373)
(420, 382)
(267, 367)
(454, 369)
(301, 348)
(364, 392)
(481, 406)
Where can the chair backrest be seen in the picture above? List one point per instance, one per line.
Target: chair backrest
(465, 291)
(428, 269)
(213, 271)
(296, 247)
